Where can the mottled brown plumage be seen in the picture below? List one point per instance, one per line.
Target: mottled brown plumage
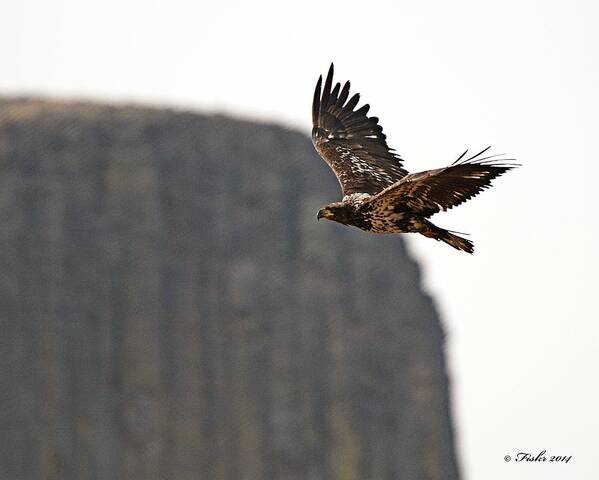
(379, 195)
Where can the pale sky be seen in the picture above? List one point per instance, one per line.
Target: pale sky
(442, 76)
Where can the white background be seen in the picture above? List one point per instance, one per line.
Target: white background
(521, 75)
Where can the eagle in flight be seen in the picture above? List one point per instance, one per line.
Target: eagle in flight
(379, 195)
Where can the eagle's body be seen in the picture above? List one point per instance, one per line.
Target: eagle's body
(379, 194)
(357, 211)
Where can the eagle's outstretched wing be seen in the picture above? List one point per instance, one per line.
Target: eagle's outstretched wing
(352, 143)
(429, 192)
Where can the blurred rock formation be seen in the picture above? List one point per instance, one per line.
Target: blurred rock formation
(171, 309)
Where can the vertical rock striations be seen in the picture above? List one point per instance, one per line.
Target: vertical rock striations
(171, 309)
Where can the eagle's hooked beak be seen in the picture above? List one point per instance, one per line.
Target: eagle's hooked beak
(324, 213)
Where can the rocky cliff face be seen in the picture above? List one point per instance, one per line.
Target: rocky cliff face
(171, 309)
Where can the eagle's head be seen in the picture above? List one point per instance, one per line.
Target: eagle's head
(338, 212)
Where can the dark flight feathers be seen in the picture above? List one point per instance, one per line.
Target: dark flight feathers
(355, 147)
(352, 143)
(432, 191)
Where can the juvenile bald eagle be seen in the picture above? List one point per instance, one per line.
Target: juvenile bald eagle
(379, 195)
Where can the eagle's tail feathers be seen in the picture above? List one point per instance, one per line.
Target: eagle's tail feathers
(432, 231)
(457, 242)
